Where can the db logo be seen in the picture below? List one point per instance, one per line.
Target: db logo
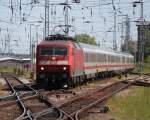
(52, 62)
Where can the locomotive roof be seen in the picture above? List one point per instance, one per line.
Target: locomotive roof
(58, 37)
(55, 42)
(93, 48)
(86, 47)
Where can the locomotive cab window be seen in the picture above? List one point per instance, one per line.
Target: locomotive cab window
(46, 51)
(53, 51)
(60, 51)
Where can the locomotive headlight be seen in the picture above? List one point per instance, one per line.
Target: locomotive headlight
(65, 86)
(42, 68)
(64, 68)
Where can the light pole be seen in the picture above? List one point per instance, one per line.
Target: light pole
(114, 33)
(37, 35)
(66, 18)
(30, 49)
(46, 29)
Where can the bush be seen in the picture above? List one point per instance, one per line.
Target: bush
(32, 75)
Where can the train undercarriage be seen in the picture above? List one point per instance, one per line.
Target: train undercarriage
(61, 80)
(52, 80)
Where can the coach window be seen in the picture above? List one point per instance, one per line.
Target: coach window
(127, 60)
(114, 60)
(111, 59)
(108, 56)
(103, 58)
(93, 57)
(117, 59)
(123, 59)
(99, 57)
(96, 57)
(90, 57)
(86, 57)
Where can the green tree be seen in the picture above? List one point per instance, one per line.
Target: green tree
(85, 38)
(132, 47)
(147, 44)
(147, 60)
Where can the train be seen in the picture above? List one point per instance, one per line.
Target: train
(62, 63)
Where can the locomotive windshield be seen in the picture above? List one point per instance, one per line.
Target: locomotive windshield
(53, 51)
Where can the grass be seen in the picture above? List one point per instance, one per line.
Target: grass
(6, 69)
(146, 68)
(1, 86)
(20, 71)
(134, 105)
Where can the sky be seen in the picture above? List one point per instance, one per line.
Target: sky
(94, 17)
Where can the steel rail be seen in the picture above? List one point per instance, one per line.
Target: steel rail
(105, 97)
(19, 101)
(15, 93)
(111, 93)
(99, 100)
(61, 112)
(25, 84)
(13, 102)
(26, 112)
(7, 97)
(11, 97)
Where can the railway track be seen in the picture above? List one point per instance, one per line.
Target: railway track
(76, 106)
(29, 105)
(32, 105)
(79, 105)
(13, 81)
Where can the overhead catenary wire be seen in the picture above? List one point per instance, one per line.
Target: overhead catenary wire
(28, 8)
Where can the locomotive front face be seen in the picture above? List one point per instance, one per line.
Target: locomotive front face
(53, 66)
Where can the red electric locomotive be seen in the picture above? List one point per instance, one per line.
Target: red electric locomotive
(55, 61)
(61, 62)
